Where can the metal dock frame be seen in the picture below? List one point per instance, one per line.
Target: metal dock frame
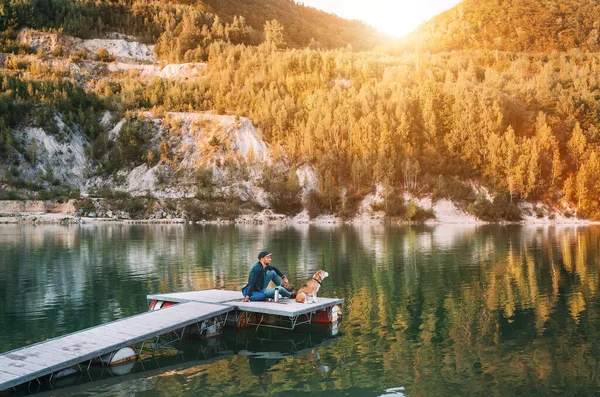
(293, 319)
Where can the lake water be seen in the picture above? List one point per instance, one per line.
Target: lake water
(430, 311)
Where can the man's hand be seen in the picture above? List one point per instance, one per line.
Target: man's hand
(285, 281)
(246, 299)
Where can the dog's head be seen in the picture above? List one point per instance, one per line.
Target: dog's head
(320, 275)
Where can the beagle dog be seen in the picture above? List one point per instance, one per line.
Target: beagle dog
(311, 287)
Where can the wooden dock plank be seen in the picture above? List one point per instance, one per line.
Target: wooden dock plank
(104, 338)
(48, 353)
(18, 369)
(25, 366)
(285, 307)
(39, 359)
(135, 327)
(6, 373)
(12, 368)
(31, 362)
(207, 296)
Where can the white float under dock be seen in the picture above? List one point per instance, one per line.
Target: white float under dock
(45, 358)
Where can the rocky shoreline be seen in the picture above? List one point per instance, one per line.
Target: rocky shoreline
(38, 212)
(256, 219)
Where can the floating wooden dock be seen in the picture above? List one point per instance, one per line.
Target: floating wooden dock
(45, 358)
(288, 309)
(188, 308)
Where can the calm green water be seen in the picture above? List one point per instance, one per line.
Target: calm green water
(430, 311)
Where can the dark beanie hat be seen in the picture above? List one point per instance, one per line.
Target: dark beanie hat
(262, 254)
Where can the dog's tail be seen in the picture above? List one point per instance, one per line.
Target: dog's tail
(301, 297)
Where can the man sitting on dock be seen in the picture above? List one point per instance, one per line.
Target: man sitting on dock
(261, 274)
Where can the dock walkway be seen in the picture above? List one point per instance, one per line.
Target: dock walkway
(45, 358)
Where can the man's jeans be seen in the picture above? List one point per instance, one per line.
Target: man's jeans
(265, 292)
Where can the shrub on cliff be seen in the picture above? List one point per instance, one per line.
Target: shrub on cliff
(314, 204)
(197, 210)
(414, 213)
(132, 147)
(285, 192)
(500, 209)
(102, 55)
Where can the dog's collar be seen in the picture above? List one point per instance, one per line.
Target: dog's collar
(317, 280)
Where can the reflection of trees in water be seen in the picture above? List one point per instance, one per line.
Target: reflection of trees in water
(524, 319)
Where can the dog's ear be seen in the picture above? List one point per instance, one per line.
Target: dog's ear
(319, 275)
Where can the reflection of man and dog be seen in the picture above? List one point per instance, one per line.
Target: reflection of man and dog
(263, 273)
(268, 348)
(265, 348)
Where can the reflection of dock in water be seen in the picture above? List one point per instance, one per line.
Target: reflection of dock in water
(182, 356)
(270, 344)
(268, 347)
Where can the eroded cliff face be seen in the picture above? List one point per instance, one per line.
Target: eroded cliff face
(123, 48)
(227, 148)
(222, 144)
(53, 156)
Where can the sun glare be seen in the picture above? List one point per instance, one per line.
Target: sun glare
(395, 18)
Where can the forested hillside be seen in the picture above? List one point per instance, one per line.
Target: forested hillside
(523, 125)
(302, 24)
(512, 25)
(151, 21)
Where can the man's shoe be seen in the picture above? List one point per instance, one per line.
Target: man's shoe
(292, 291)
